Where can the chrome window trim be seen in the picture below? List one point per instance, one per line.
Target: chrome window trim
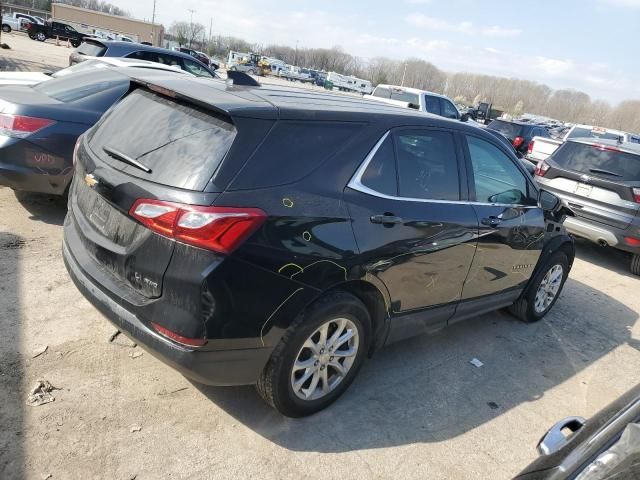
(356, 184)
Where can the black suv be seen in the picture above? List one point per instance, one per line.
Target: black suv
(519, 134)
(280, 236)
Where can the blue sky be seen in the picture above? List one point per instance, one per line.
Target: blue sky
(587, 45)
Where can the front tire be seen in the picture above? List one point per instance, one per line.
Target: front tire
(318, 357)
(635, 264)
(75, 43)
(41, 37)
(544, 289)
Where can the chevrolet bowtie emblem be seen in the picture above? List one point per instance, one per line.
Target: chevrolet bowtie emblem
(90, 180)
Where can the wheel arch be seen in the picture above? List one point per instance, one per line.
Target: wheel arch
(562, 242)
(376, 299)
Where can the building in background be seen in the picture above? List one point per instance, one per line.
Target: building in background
(103, 24)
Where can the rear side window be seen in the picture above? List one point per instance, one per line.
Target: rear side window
(82, 85)
(196, 69)
(599, 161)
(427, 165)
(380, 174)
(142, 55)
(182, 145)
(448, 110)
(293, 150)
(382, 92)
(91, 49)
(403, 96)
(432, 104)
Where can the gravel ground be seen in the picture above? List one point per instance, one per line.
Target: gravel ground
(418, 409)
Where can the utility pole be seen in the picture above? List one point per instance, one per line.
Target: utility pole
(403, 74)
(153, 24)
(295, 58)
(191, 25)
(211, 36)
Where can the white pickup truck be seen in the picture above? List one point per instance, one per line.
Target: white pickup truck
(421, 100)
(16, 21)
(541, 148)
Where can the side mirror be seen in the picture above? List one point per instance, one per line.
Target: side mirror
(465, 117)
(548, 201)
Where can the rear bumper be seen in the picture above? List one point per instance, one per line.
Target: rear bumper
(604, 235)
(220, 367)
(33, 180)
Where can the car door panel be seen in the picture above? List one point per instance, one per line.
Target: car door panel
(511, 226)
(420, 249)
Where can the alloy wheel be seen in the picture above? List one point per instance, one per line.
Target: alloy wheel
(549, 288)
(325, 359)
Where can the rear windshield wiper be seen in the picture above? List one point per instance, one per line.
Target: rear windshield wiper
(125, 158)
(606, 172)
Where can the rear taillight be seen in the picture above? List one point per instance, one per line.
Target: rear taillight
(221, 229)
(518, 141)
(542, 168)
(530, 147)
(20, 126)
(632, 241)
(190, 342)
(636, 194)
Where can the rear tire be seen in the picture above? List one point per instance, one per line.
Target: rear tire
(75, 43)
(537, 301)
(297, 391)
(635, 264)
(6, 28)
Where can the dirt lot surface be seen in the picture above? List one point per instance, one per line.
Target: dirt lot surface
(418, 409)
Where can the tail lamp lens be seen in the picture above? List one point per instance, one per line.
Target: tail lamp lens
(221, 229)
(542, 168)
(19, 126)
(530, 147)
(518, 141)
(636, 194)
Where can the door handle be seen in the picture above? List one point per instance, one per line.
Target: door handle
(491, 221)
(555, 439)
(386, 219)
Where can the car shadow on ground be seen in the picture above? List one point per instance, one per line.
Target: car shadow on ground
(11, 362)
(606, 257)
(425, 389)
(44, 208)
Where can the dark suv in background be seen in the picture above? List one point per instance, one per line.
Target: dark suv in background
(111, 48)
(518, 133)
(600, 181)
(243, 238)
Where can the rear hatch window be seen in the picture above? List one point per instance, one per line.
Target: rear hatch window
(91, 49)
(509, 130)
(181, 145)
(599, 161)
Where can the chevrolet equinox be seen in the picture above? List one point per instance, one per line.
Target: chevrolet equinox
(278, 237)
